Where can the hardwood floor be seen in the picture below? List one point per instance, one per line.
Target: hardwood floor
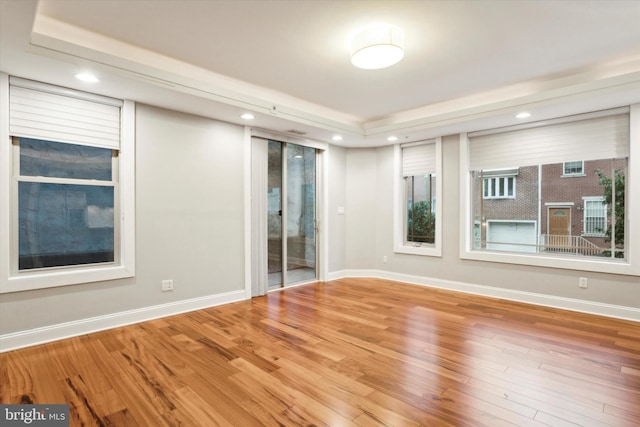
(350, 352)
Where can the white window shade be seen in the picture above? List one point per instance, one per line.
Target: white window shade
(605, 136)
(418, 159)
(40, 114)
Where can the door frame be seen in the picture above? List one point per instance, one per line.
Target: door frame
(255, 210)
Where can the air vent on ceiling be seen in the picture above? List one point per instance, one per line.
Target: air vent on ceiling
(296, 132)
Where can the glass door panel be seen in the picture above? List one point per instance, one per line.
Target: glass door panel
(301, 213)
(291, 221)
(274, 214)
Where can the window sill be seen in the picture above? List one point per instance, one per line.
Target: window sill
(573, 175)
(49, 279)
(606, 265)
(430, 250)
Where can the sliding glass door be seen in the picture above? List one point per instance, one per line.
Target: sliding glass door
(291, 214)
(275, 214)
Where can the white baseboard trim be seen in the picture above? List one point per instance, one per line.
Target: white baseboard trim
(571, 304)
(60, 331)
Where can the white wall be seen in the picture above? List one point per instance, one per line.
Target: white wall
(190, 194)
(370, 237)
(337, 198)
(189, 226)
(361, 211)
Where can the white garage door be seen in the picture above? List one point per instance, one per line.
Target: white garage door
(511, 236)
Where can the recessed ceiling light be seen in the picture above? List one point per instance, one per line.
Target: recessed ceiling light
(377, 46)
(87, 77)
(392, 138)
(247, 116)
(337, 137)
(523, 115)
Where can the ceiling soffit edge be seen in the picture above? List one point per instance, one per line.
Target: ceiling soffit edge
(605, 93)
(59, 40)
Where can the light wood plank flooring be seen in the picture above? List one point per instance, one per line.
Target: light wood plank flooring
(350, 352)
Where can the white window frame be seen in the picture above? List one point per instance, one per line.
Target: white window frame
(399, 217)
(12, 280)
(630, 266)
(495, 185)
(564, 169)
(594, 199)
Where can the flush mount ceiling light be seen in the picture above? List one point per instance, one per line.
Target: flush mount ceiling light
(376, 47)
(247, 116)
(523, 115)
(337, 137)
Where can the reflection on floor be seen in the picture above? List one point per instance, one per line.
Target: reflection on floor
(293, 276)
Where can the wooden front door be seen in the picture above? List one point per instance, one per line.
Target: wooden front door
(559, 221)
(559, 239)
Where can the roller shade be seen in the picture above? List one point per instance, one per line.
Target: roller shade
(593, 138)
(59, 117)
(418, 159)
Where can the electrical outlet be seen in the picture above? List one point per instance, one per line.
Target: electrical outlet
(583, 282)
(385, 259)
(167, 285)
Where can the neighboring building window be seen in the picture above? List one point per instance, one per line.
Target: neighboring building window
(595, 216)
(501, 220)
(499, 187)
(71, 211)
(573, 168)
(418, 212)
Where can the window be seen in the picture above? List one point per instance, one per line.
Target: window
(69, 208)
(499, 187)
(577, 223)
(421, 210)
(595, 216)
(573, 168)
(66, 196)
(417, 211)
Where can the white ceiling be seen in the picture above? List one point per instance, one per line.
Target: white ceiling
(468, 64)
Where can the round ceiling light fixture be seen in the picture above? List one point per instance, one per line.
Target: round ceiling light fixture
(377, 46)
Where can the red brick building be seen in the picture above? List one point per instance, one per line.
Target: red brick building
(557, 207)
